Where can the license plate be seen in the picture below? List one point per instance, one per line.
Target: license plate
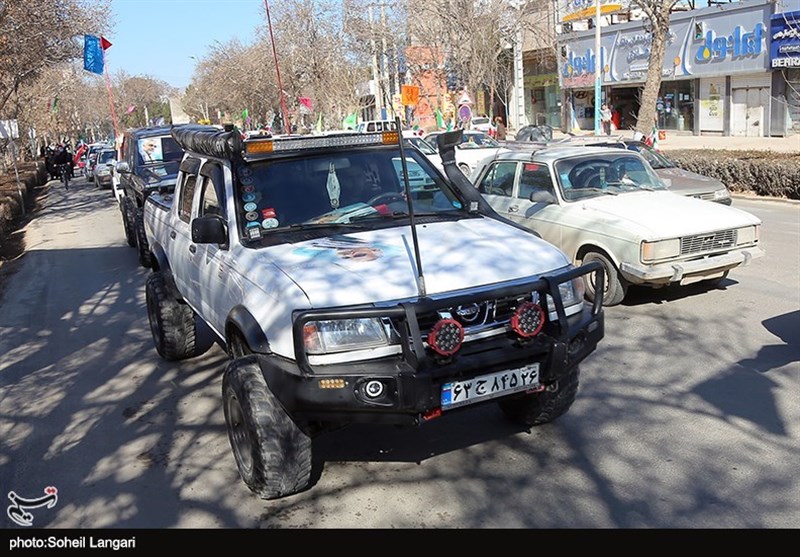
(493, 385)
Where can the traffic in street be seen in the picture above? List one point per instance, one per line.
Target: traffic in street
(686, 415)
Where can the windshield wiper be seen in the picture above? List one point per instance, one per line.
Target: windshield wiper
(303, 225)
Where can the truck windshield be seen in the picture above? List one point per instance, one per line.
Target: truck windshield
(340, 187)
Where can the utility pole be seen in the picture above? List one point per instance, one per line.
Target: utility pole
(598, 68)
(375, 76)
(384, 63)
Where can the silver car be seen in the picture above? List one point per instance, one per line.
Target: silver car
(675, 178)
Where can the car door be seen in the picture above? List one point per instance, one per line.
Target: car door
(497, 185)
(534, 202)
(182, 252)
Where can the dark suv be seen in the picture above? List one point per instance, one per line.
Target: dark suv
(149, 160)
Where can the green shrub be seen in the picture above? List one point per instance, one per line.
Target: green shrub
(758, 172)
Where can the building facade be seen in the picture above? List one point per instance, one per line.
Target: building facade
(717, 77)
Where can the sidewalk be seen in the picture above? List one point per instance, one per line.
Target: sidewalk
(682, 140)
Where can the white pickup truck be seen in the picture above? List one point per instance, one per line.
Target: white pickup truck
(345, 293)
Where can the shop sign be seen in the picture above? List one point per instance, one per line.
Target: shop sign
(739, 44)
(784, 48)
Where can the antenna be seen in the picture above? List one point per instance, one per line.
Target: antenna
(412, 222)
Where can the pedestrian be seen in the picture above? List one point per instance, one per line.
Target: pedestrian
(605, 118)
(501, 129)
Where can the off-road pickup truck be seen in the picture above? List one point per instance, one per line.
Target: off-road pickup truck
(346, 292)
(149, 159)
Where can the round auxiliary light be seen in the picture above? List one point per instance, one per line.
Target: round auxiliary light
(528, 320)
(446, 337)
(374, 389)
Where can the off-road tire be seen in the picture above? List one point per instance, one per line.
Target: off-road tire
(127, 221)
(534, 409)
(171, 321)
(142, 246)
(465, 169)
(615, 286)
(272, 453)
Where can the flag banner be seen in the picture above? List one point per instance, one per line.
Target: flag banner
(439, 119)
(54, 104)
(104, 43)
(131, 108)
(92, 54)
(351, 121)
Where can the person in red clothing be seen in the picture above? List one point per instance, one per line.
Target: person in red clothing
(615, 118)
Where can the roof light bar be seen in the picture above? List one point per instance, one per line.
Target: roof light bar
(275, 145)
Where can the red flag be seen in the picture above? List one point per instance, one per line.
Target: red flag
(104, 43)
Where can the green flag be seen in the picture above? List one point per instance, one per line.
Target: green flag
(350, 121)
(439, 119)
(319, 123)
(245, 114)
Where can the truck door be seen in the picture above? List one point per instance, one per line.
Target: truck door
(217, 281)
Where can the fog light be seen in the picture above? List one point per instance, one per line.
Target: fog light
(528, 320)
(373, 389)
(446, 337)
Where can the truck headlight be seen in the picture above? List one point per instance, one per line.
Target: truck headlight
(721, 194)
(663, 249)
(572, 293)
(342, 335)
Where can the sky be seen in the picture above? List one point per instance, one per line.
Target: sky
(159, 37)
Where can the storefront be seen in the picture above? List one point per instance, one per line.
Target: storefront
(784, 54)
(715, 77)
(542, 100)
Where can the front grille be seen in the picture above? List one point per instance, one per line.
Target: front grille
(477, 316)
(713, 241)
(705, 196)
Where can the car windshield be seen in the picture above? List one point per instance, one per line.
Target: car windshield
(364, 186)
(477, 141)
(422, 145)
(605, 174)
(479, 121)
(105, 157)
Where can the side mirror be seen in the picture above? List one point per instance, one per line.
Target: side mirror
(122, 167)
(542, 196)
(210, 229)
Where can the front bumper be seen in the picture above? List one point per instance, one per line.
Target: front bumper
(412, 381)
(103, 181)
(684, 272)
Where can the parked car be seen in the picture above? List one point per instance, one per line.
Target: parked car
(91, 158)
(427, 149)
(376, 126)
(675, 178)
(105, 160)
(482, 124)
(474, 147)
(608, 205)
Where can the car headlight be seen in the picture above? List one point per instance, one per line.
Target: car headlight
(342, 335)
(722, 194)
(663, 249)
(747, 235)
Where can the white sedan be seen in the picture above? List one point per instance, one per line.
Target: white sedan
(608, 205)
(475, 146)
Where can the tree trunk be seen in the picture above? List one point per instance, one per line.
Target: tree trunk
(647, 109)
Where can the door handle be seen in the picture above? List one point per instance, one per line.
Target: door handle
(513, 209)
(193, 248)
(172, 234)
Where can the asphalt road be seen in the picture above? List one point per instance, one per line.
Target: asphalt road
(687, 416)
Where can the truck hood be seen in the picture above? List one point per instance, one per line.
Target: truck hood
(379, 265)
(663, 214)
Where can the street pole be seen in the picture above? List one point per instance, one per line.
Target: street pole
(598, 68)
(375, 77)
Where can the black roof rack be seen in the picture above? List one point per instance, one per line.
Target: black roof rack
(209, 140)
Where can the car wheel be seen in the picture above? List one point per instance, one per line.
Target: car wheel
(534, 409)
(172, 322)
(273, 454)
(127, 222)
(465, 169)
(142, 246)
(615, 286)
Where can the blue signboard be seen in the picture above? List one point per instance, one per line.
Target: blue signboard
(784, 47)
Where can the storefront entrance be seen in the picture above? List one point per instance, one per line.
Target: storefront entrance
(625, 106)
(675, 106)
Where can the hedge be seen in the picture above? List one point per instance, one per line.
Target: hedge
(758, 172)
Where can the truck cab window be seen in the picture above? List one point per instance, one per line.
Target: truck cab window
(186, 196)
(210, 204)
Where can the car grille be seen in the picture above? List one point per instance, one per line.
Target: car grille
(713, 241)
(705, 196)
